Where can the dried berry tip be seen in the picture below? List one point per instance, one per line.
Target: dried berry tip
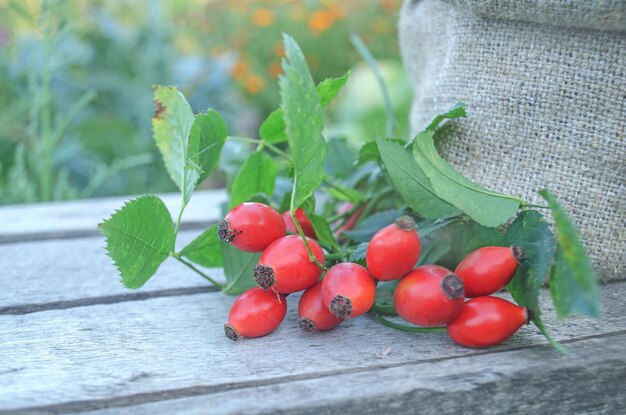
(518, 253)
(453, 287)
(264, 276)
(405, 223)
(307, 325)
(529, 315)
(231, 333)
(224, 233)
(341, 306)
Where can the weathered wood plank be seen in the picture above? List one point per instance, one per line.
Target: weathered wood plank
(532, 380)
(108, 352)
(81, 217)
(78, 270)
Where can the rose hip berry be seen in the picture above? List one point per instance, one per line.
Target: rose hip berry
(430, 295)
(304, 222)
(251, 227)
(348, 290)
(314, 316)
(489, 269)
(487, 321)
(285, 266)
(255, 313)
(393, 250)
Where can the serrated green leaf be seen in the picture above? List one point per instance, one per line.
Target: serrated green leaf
(365, 229)
(323, 232)
(257, 175)
(484, 206)
(328, 89)
(345, 194)
(207, 137)
(573, 283)
(411, 182)
(463, 238)
(359, 252)
(272, 129)
(205, 250)
(531, 232)
(304, 122)
(457, 111)
(139, 237)
(238, 269)
(171, 126)
(431, 253)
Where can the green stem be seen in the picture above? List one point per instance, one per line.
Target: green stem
(202, 274)
(402, 327)
(261, 144)
(334, 257)
(371, 62)
(312, 257)
(530, 205)
(371, 205)
(180, 215)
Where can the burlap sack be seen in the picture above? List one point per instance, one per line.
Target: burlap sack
(544, 83)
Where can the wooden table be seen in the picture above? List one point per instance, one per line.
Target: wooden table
(74, 340)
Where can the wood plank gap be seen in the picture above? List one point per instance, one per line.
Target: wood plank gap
(7, 239)
(172, 394)
(22, 309)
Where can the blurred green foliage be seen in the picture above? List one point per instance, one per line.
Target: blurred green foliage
(76, 78)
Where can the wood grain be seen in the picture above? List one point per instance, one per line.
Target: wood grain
(79, 271)
(532, 380)
(81, 217)
(174, 347)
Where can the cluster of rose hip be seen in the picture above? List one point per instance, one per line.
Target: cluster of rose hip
(428, 296)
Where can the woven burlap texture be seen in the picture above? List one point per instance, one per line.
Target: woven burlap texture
(546, 108)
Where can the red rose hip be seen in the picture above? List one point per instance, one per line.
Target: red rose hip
(487, 321)
(285, 266)
(314, 316)
(488, 270)
(429, 296)
(393, 250)
(251, 227)
(255, 313)
(303, 221)
(348, 290)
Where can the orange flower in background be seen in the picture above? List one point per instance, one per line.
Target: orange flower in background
(274, 70)
(390, 4)
(254, 84)
(263, 17)
(279, 49)
(239, 70)
(321, 20)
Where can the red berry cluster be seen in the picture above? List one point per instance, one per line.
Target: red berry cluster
(429, 295)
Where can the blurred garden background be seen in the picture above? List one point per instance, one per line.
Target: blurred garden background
(76, 83)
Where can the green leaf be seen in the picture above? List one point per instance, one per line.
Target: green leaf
(340, 158)
(463, 238)
(532, 234)
(303, 123)
(410, 181)
(257, 175)
(139, 237)
(359, 252)
(432, 252)
(573, 283)
(323, 232)
(328, 89)
(207, 137)
(484, 206)
(238, 269)
(345, 194)
(205, 249)
(365, 229)
(171, 126)
(457, 111)
(273, 128)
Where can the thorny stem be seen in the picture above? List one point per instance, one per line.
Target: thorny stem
(380, 319)
(202, 274)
